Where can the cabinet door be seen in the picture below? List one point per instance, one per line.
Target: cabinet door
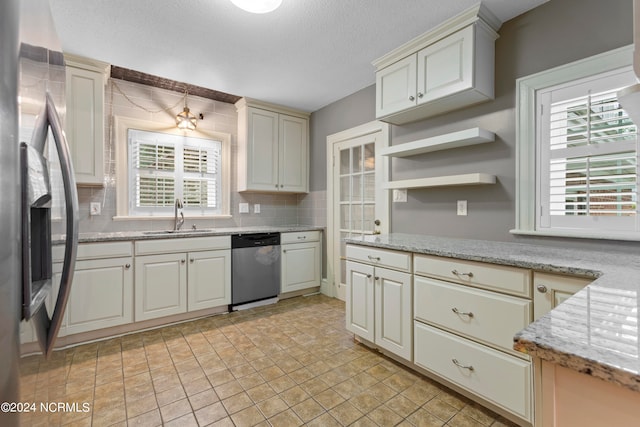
(293, 154)
(85, 124)
(393, 311)
(396, 87)
(360, 300)
(300, 266)
(101, 295)
(262, 150)
(160, 286)
(209, 279)
(446, 67)
(551, 290)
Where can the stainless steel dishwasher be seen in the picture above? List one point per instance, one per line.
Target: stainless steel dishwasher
(255, 269)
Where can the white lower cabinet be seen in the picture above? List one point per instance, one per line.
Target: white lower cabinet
(208, 276)
(552, 290)
(161, 285)
(499, 378)
(101, 295)
(378, 300)
(174, 276)
(301, 261)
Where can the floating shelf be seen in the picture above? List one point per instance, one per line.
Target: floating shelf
(461, 138)
(443, 181)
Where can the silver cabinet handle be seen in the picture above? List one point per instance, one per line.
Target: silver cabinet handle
(460, 365)
(457, 273)
(412, 98)
(373, 258)
(376, 278)
(191, 260)
(302, 237)
(542, 289)
(368, 276)
(462, 313)
(183, 261)
(127, 266)
(284, 251)
(420, 95)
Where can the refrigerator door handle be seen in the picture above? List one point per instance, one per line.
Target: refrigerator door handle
(71, 206)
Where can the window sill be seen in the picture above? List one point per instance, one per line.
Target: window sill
(578, 234)
(168, 217)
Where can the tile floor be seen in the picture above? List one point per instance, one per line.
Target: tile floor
(288, 364)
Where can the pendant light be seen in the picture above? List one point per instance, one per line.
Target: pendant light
(258, 6)
(185, 120)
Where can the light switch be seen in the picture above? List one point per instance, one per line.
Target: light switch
(244, 207)
(256, 208)
(400, 195)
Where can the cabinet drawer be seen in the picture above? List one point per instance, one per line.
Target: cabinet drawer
(380, 257)
(492, 318)
(492, 375)
(299, 237)
(510, 280)
(187, 244)
(95, 251)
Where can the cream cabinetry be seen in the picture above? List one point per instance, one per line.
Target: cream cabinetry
(301, 260)
(445, 69)
(101, 292)
(273, 148)
(550, 290)
(85, 86)
(174, 276)
(466, 314)
(378, 298)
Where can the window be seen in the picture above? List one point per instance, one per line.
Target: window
(168, 165)
(578, 151)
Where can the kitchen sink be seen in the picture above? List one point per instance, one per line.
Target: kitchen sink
(186, 231)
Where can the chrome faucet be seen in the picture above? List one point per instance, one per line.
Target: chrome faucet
(178, 221)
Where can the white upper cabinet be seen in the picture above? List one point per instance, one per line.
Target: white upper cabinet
(85, 81)
(273, 148)
(442, 70)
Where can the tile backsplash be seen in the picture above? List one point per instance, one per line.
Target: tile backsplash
(153, 104)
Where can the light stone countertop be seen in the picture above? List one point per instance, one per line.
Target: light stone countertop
(162, 234)
(594, 332)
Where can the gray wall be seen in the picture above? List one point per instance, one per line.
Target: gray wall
(558, 32)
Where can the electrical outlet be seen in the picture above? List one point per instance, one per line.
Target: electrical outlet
(256, 208)
(244, 207)
(462, 207)
(95, 208)
(400, 195)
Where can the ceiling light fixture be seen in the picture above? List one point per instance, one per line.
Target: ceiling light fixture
(258, 6)
(185, 119)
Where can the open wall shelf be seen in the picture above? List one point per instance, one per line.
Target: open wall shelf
(461, 138)
(443, 181)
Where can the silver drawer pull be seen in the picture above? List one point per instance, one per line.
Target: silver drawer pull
(460, 365)
(457, 273)
(302, 237)
(462, 313)
(373, 258)
(542, 289)
(368, 276)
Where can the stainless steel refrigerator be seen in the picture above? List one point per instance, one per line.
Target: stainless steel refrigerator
(38, 197)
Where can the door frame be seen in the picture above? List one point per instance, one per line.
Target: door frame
(336, 138)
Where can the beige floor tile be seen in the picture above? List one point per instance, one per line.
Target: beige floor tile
(287, 418)
(261, 392)
(402, 406)
(149, 419)
(272, 406)
(169, 396)
(324, 420)
(365, 402)
(248, 417)
(294, 395)
(203, 399)
(345, 413)
(187, 420)
(175, 410)
(440, 409)
(141, 406)
(282, 383)
(211, 413)
(329, 399)
(237, 402)
(308, 410)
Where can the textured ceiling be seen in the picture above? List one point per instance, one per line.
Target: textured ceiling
(305, 55)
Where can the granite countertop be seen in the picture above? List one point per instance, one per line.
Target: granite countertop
(162, 234)
(594, 332)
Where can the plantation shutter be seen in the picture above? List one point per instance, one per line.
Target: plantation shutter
(589, 152)
(201, 176)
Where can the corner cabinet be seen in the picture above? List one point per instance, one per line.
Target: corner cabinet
(273, 148)
(301, 261)
(85, 87)
(442, 70)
